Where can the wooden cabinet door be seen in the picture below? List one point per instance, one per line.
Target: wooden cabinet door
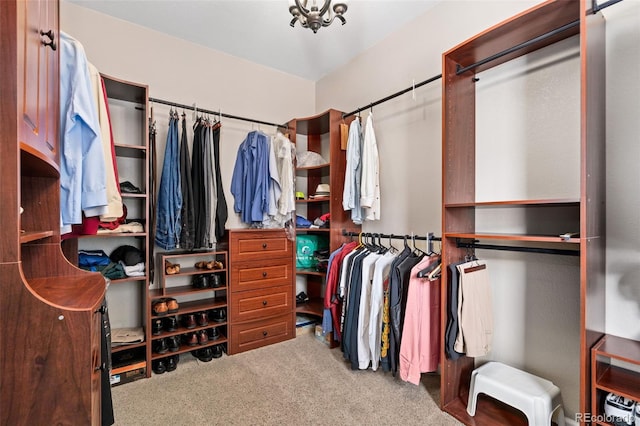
(38, 78)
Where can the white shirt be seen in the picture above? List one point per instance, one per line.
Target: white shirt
(380, 275)
(353, 172)
(370, 186)
(364, 310)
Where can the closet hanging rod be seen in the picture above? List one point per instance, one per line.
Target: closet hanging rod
(218, 113)
(395, 95)
(391, 236)
(542, 250)
(594, 9)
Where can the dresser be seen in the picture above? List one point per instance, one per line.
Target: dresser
(262, 282)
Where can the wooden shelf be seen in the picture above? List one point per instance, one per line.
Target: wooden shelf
(619, 348)
(128, 280)
(185, 348)
(131, 151)
(318, 167)
(198, 305)
(115, 235)
(132, 195)
(314, 200)
(27, 237)
(518, 203)
(77, 292)
(121, 348)
(512, 237)
(310, 271)
(182, 291)
(315, 306)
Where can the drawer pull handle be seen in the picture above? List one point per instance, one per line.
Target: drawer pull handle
(101, 367)
(264, 245)
(264, 274)
(264, 334)
(264, 303)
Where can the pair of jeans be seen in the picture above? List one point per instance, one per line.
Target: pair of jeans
(169, 193)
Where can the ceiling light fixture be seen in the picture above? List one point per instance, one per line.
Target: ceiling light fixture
(313, 17)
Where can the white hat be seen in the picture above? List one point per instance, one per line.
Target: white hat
(322, 190)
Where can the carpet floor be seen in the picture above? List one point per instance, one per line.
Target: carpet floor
(297, 382)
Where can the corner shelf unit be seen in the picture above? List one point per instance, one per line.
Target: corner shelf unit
(320, 134)
(190, 299)
(532, 30)
(608, 377)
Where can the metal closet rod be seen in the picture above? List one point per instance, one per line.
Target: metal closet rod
(395, 95)
(595, 8)
(475, 245)
(392, 236)
(218, 113)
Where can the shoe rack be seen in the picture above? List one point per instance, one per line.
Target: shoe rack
(188, 312)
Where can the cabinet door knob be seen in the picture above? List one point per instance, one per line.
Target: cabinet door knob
(264, 303)
(264, 274)
(264, 334)
(264, 245)
(51, 36)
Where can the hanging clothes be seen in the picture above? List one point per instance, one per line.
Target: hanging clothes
(379, 283)
(221, 201)
(82, 165)
(187, 237)
(420, 343)
(198, 181)
(211, 197)
(353, 173)
(475, 311)
(250, 180)
(452, 313)
(169, 193)
(370, 185)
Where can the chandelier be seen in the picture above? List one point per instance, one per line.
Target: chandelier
(314, 17)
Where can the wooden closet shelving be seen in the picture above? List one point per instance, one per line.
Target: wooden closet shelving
(320, 134)
(585, 214)
(49, 309)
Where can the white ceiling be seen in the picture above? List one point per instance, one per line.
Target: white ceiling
(259, 31)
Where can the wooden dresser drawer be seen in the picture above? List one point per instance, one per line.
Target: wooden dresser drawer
(255, 334)
(263, 303)
(259, 244)
(261, 274)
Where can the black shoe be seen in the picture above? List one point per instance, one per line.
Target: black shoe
(173, 342)
(158, 366)
(219, 315)
(199, 281)
(171, 323)
(215, 281)
(156, 326)
(204, 355)
(214, 334)
(172, 362)
(161, 346)
(217, 351)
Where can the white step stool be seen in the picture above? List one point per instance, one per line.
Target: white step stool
(536, 397)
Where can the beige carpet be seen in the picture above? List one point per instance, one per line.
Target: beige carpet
(299, 381)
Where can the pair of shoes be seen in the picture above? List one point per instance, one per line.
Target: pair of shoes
(218, 315)
(206, 281)
(211, 264)
(167, 324)
(160, 366)
(620, 410)
(207, 354)
(302, 297)
(171, 268)
(163, 307)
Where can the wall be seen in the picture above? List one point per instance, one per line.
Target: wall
(532, 293)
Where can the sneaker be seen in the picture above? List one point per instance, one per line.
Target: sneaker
(619, 410)
(302, 298)
(637, 415)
